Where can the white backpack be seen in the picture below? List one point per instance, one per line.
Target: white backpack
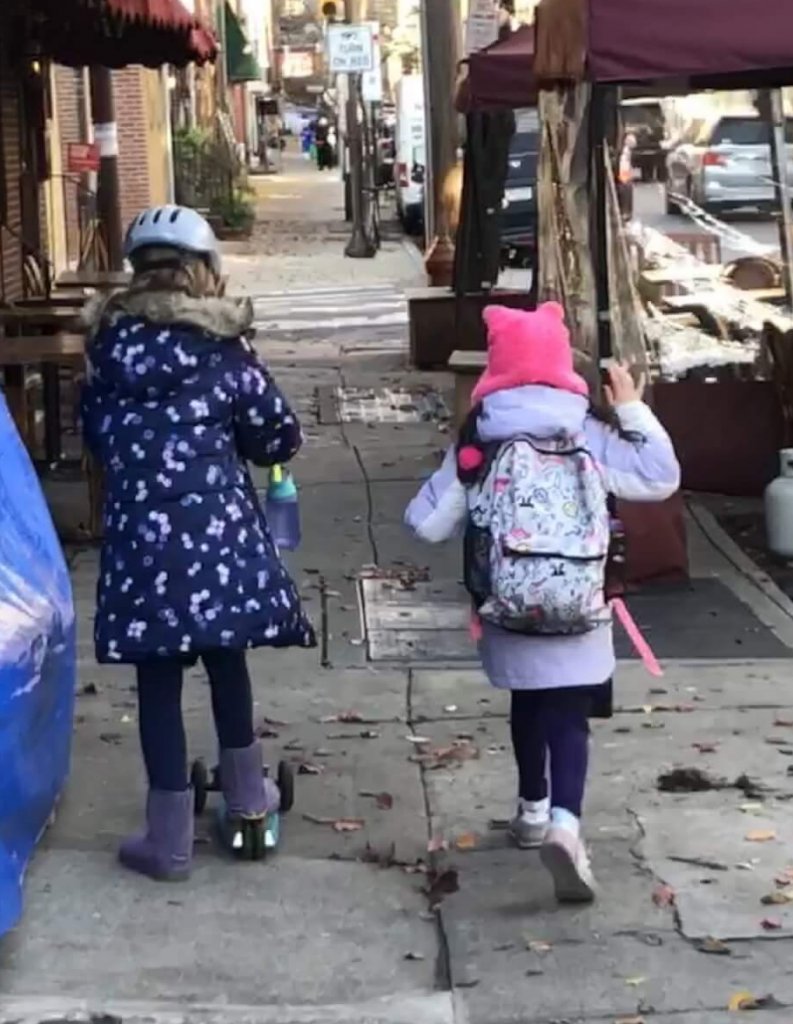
(538, 539)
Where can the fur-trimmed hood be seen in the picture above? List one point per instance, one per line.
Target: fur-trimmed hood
(225, 318)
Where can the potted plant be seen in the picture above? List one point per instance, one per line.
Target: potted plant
(233, 216)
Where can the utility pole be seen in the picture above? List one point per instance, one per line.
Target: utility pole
(106, 136)
(441, 31)
(360, 246)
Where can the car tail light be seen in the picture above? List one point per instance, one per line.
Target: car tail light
(714, 160)
(403, 176)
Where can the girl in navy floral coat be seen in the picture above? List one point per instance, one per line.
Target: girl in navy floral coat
(176, 402)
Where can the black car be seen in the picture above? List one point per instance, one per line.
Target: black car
(645, 120)
(519, 214)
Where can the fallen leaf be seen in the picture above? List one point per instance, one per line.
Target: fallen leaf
(275, 723)
(337, 824)
(369, 734)
(437, 844)
(413, 956)
(780, 898)
(761, 835)
(784, 878)
(264, 732)
(783, 723)
(467, 841)
(714, 946)
(441, 884)
(89, 690)
(706, 748)
(307, 768)
(635, 982)
(664, 896)
(348, 825)
(344, 716)
(420, 741)
(770, 924)
(776, 741)
(441, 757)
(741, 1001)
(538, 946)
(498, 824)
(747, 1001)
(450, 709)
(383, 800)
(751, 808)
(629, 1020)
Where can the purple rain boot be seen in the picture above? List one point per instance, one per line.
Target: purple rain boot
(249, 798)
(164, 851)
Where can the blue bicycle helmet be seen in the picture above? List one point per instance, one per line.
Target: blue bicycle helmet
(173, 227)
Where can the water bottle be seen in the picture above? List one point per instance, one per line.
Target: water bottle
(281, 509)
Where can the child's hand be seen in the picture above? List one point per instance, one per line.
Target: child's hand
(622, 387)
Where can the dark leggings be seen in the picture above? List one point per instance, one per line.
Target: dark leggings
(162, 734)
(552, 726)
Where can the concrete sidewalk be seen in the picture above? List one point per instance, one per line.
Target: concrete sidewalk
(353, 919)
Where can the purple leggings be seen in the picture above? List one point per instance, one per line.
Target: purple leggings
(552, 726)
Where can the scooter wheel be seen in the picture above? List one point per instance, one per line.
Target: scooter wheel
(252, 835)
(199, 780)
(286, 784)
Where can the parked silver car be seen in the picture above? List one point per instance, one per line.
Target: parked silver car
(725, 164)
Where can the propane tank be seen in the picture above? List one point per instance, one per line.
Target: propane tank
(779, 508)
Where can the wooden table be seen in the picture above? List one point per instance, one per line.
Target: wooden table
(57, 300)
(49, 351)
(101, 279)
(45, 318)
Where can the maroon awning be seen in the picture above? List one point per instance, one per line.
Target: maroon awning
(502, 75)
(115, 33)
(646, 40)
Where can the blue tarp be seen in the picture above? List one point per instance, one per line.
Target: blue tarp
(37, 667)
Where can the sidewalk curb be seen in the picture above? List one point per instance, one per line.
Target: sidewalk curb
(774, 607)
(432, 1008)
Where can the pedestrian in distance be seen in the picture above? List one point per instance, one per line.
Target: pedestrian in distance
(527, 484)
(175, 404)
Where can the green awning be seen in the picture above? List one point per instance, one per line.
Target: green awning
(241, 64)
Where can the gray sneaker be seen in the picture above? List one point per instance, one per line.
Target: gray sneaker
(565, 856)
(527, 835)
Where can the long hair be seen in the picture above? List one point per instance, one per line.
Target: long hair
(166, 270)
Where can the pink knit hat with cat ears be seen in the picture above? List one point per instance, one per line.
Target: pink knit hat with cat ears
(528, 348)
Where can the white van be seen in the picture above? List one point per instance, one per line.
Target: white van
(411, 152)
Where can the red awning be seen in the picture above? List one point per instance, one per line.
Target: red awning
(115, 33)
(678, 44)
(671, 39)
(502, 75)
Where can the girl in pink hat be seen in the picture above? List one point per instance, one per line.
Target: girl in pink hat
(527, 485)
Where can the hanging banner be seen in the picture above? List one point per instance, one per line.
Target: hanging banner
(372, 81)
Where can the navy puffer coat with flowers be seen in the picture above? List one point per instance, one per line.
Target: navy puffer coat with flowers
(172, 411)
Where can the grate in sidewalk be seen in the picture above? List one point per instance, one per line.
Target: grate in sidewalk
(380, 405)
(410, 619)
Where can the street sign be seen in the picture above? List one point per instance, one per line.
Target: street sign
(372, 81)
(350, 49)
(481, 28)
(82, 157)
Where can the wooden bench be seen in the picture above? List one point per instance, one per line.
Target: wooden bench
(467, 368)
